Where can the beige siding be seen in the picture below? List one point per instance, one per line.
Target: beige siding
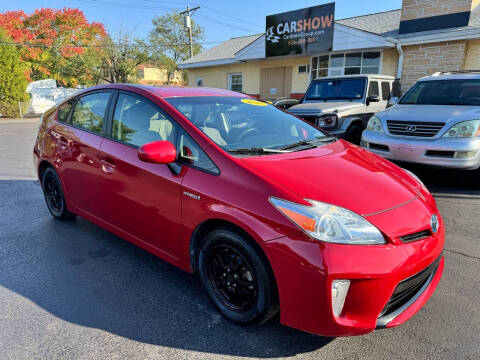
(417, 9)
(426, 59)
(472, 56)
(390, 62)
(217, 76)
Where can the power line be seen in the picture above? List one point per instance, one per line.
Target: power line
(216, 21)
(99, 46)
(126, 5)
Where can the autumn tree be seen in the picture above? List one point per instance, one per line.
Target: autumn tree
(12, 78)
(168, 42)
(58, 44)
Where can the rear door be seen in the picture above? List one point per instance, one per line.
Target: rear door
(140, 198)
(78, 143)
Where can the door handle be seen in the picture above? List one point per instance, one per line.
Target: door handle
(107, 166)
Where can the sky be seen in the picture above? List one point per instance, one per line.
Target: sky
(221, 19)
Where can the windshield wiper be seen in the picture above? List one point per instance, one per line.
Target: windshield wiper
(307, 142)
(254, 150)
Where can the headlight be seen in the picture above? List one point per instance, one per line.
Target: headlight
(330, 223)
(375, 124)
(469, 128)
(327, 121)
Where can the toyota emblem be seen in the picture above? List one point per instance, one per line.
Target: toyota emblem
(434, 223)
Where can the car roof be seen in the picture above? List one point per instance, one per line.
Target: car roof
(362, 76)
(452, 76)
(172, 91)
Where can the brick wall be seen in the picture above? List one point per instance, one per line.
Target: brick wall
(426, 59)
(417, 9)
(472, 56)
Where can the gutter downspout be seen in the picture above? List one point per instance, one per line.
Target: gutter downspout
(400, 60)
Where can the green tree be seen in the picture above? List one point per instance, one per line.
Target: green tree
(13, 82)
(120, 58)
(168, 42)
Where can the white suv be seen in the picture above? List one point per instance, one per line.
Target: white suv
(436, 122)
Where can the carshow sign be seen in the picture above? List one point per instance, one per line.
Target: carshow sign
(303, 31)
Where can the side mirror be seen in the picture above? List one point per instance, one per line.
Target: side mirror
(158, 152)
(393, 101)
(373, 98)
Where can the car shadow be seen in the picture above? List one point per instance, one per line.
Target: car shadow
(447, 183)
(87, 276)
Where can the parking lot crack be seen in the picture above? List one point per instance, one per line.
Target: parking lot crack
(463, 254)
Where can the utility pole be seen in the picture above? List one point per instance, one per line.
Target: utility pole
(188, 25)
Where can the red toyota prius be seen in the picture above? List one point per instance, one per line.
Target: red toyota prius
(274, 214)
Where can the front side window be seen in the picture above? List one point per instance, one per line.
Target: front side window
(89, 111)
(444, 92)
(373, 89)
(236, 123)
(235, 82)
(347, 89)
(137, 122)
(190, 153)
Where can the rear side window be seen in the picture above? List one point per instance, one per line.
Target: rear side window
(89, 112)
(386, 90)
(190, 153)
(64, 110)
(136, 121)
(373, 89)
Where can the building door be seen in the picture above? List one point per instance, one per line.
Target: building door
(275, 82)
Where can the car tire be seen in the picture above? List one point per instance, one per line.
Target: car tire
(354, 134)
(54, 197)
(237, 278)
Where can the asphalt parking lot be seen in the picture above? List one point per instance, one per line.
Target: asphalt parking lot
(74, 291)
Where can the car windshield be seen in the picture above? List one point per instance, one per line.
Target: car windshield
(444, 92)
(347, 89)
(241, 124)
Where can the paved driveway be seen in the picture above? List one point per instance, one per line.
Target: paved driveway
(74, 291)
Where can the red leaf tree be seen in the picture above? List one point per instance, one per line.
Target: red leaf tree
(59, 44)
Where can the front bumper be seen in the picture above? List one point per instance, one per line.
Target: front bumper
(439, 152)
(305, 269)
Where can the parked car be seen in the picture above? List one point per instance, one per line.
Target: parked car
(343, 105)
(285, 103)
(257, 201)
(435, 123)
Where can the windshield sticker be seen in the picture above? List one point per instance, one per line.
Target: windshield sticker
(254, 102)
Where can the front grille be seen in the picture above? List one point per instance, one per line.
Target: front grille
(414, 128)
(408, 288)
(416, 236)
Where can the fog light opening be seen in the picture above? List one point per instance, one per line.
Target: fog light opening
(339, 294)
(465, 154)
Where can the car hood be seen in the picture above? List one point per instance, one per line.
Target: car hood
(340, 174)
(323, 107)
(431, 113)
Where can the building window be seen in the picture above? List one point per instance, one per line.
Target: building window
(302, 69)
(199, 82)
(367, 62)
(235, 82)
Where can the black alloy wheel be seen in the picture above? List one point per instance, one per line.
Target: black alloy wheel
(231, 278)
(52, 190)
(237, 277)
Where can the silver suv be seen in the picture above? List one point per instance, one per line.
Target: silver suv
(436, 122)
(343, 105)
